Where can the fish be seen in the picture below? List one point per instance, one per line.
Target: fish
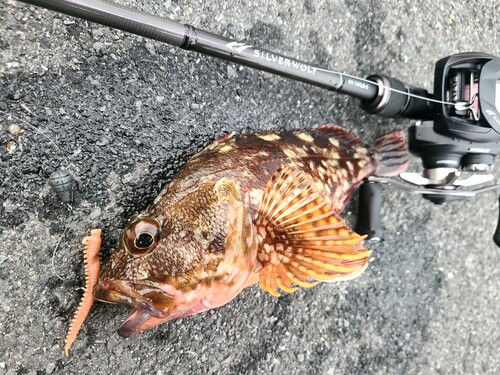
(254, 208)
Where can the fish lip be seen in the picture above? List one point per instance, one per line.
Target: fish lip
(130, 325)
(128, 293)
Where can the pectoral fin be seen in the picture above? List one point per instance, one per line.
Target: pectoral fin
(301, 239)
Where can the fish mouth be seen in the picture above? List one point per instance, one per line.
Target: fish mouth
(147, 301)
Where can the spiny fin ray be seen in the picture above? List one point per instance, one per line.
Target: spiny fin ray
(302, 239)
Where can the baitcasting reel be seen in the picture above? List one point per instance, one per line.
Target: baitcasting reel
(457, 146)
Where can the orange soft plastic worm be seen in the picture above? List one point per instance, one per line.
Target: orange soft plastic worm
(92, 267)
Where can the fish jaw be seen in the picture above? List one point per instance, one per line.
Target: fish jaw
(156, 305)
(197, 301)
(151, 305)
(150, 298)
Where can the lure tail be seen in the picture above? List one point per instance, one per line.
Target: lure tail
(391, 154)
(92, 267)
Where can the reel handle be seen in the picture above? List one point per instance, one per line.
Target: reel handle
(496, 235)
(369, 207)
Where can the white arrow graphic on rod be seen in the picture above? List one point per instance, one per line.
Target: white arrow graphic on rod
(237, 46)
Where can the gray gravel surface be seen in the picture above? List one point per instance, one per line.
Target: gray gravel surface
(123, 114)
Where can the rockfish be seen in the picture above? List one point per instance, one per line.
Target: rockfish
(251, 208)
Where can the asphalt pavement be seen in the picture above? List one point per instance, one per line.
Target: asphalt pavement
(124, 113)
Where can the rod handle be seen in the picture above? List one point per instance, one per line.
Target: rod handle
(496, 235)
(369, 208)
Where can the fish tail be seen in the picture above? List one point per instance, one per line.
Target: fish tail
(390, 154)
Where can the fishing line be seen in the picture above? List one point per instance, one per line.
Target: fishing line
(33, 127)
(54, 251)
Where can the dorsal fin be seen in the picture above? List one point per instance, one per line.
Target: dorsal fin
(301, 239)
(341, 134)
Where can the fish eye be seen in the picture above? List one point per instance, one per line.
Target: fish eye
(144, 240)
(141, 236)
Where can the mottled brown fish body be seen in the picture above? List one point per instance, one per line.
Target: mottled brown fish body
(252, 207)
(251, 159)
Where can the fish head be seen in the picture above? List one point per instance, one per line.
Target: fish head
(178, 259)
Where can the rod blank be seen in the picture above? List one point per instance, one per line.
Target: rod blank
(185, 36)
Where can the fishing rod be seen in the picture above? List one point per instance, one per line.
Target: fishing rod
(457, 135)
(376, 98)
